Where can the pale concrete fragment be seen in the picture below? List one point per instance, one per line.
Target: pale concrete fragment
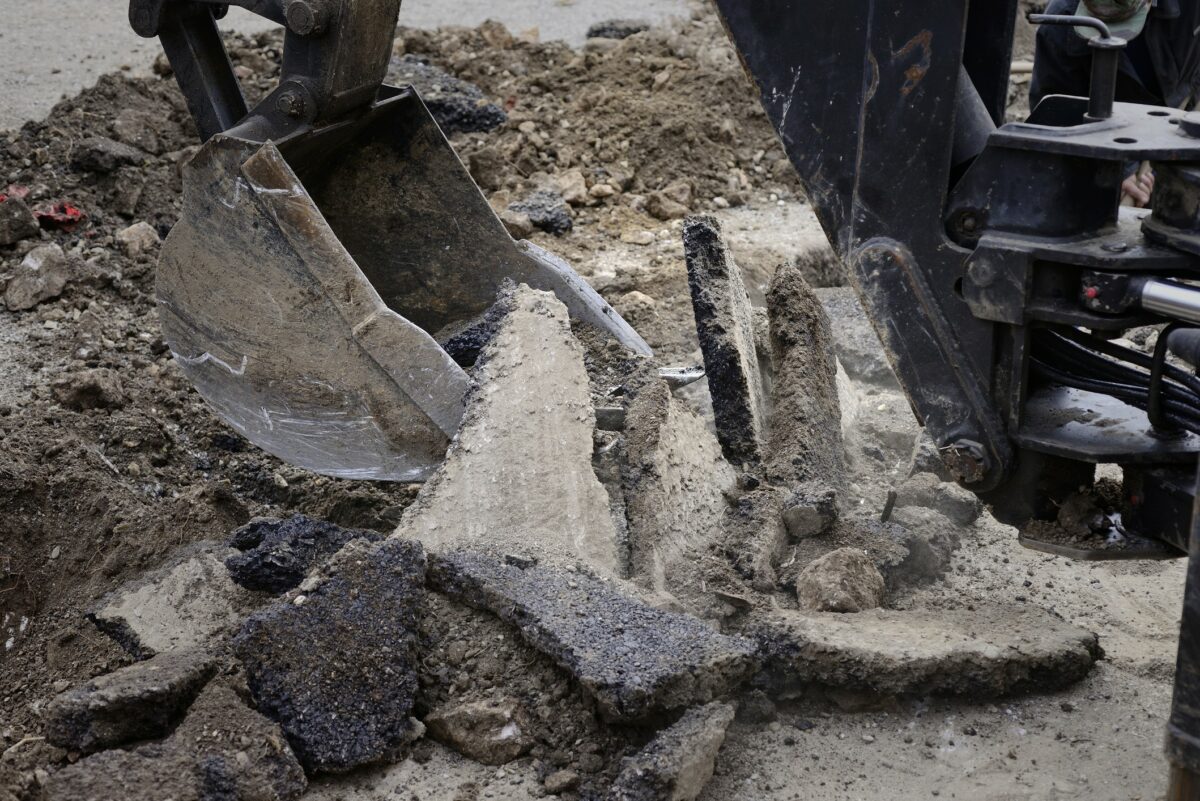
(725, 326)
(805, 441)
(673, 483)
(40, 276)
(489, 731)
(843, 580)
(518, 477)
(929, 490)
(191, 602)
(679, 761)
(991, 650)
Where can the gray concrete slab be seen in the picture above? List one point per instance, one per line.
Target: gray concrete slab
(47, 51)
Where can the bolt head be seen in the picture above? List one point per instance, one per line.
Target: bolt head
(291, 104)
(306, 17)
(966, 460)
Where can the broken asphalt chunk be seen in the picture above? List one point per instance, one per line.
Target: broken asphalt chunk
(725, 325)
(336, 668)
(679, 761)
(991, 651)
(635, 660)
(138, 702)
(277, 554)
(222, 750)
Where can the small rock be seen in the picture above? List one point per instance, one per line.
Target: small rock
(490, 732)
(138, 239)
(617, 28)
(100, 388)
(845, 580)
(661, 207)
(810, 511)
(41, 275)
(16, 221)
(339, 672)
(926, 458)
(546, 210)
(601, 191)
(573, 187)
(277, 554)
(517, 223)
(138, 702)
(642, 238)
(678, 762)
(928, 490)
(757, 707)
(457, 106)
(103, 155)
(561, 781)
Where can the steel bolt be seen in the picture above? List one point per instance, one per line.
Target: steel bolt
(968, 223)
(966, 460)
(291, 104)
(306, 17)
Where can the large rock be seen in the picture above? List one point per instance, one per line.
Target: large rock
(336, 667)
(138, 702)
(725, 325)
(914, 547)
(41, 275)
(988, 651)
(222, 751)
(679, 761)
(190, 602)
(518, 478)
(277, 554)
(805, 442)
(672, 480)
(635, 660)
(843, 580)
(103, 155)
(16, 220)
(491, 732)
(858, 346)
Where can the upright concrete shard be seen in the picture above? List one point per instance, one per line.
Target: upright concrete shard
(636, 661)
(679, 761)
(990, 651)
(190, 602)
(805, 443)
(518, 478)
(673, 480)
(725, 325)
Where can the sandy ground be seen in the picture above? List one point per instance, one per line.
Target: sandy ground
(46, 52)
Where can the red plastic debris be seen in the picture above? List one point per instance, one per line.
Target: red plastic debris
(14, 190)
(63, 216)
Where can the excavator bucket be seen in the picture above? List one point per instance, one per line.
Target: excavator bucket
(310, 284)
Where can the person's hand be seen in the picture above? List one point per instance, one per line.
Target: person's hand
(1137, 188)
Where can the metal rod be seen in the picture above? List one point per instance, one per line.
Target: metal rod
(1170, 299)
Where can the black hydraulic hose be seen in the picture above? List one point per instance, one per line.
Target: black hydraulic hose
(1128, 355)
(1184, 416)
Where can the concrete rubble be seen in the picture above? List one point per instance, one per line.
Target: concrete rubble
(518, 477)
(16, 220)
(190, 602)
(138, 702)
(335, 665)
(980, 652)
(725, 325)
(222, 750)
(679, 761)
(40, 276)
(635, 660)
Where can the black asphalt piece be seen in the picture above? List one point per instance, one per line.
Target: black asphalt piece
(617, 28)
(337, 669)
(678, 762)
(457, 106)
(138, 702)
(277, 554)
(546, 210)
(725, 327)
(635, 660)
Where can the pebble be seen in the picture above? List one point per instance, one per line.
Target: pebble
(56, 552)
